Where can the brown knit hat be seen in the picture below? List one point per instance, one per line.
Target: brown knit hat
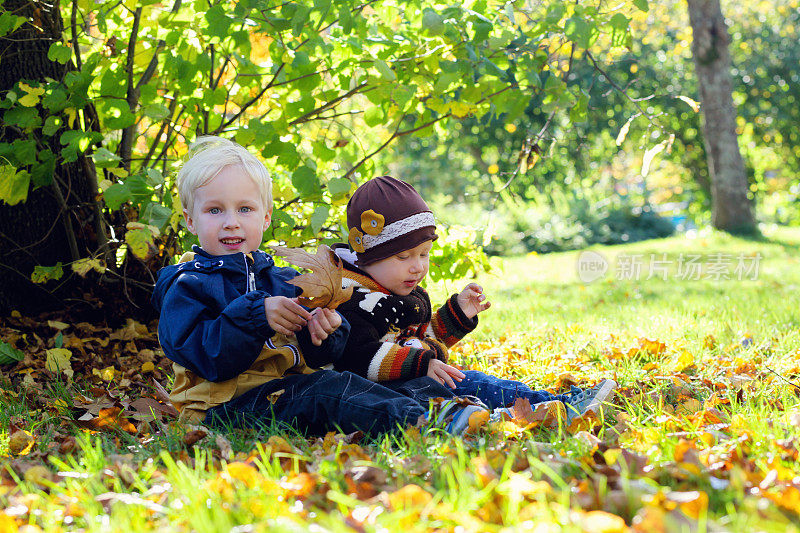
(386, 216)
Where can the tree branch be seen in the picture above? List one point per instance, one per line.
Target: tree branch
(132, 97)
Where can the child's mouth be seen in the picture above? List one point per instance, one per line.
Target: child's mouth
(232, 243)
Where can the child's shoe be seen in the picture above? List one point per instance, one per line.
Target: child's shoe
(583, 401)
(454, 415)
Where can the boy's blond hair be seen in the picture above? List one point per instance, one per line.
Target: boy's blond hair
(208, 156)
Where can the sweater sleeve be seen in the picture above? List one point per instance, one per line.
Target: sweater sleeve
(449, 324)
(215, 344)
(366, 355)
(331, 349)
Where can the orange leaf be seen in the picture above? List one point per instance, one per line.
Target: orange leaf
(322, 287)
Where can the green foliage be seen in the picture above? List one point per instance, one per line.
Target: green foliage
(560, 220)
(457, 254)
(658, 146)
(317, 89)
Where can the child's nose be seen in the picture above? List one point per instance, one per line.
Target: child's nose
(232, 221)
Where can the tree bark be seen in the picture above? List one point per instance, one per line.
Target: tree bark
(58, 222)
(731, 208)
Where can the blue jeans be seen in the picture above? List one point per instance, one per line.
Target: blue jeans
(328, 401)
(496, 392)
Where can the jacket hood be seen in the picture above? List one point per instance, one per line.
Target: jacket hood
(205, 262)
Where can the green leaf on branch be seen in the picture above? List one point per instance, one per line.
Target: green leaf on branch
(642, 5)
(77, 142)
(25, 118)
(579, 31)
(218, 22)
(385, 70)
(156, 215)
(319, 217)
(339, 186)
(116, 195)
(105, 159)
(59, 53)
(139, 238)
(13, 184)
(10, 22)
(42, 274)
(44, 169)
(52, 125)
(306, 182)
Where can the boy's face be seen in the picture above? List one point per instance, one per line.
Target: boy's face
(228, 214)
(402, 272)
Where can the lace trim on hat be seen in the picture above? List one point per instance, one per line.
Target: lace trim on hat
(398, 229)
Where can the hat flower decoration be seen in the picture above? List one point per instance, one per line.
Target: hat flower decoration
(372, 222)
(356, 240)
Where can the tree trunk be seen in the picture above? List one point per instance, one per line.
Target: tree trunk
(731, 207)
(58, 222)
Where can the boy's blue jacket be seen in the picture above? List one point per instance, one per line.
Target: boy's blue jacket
(214, 327)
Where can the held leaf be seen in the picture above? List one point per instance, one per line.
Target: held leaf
(322, 287)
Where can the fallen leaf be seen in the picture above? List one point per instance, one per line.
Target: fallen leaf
(322, 287)
(148, 409)
(410, 495)
(225, 449)
(58, 360)
(192, 437)
(20, 442)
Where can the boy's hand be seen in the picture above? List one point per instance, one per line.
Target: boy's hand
(472, 300)
(444, 373)
(323, 322)
(285, 315)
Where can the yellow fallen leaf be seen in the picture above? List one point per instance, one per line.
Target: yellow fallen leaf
(148, 367)
(410, 495)
(38, 474)
(477, 420)
(8, 524)
(58, 360)
(245, 473)
(603, 522)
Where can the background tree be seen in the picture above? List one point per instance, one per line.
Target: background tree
(60, 221)
(731, 206)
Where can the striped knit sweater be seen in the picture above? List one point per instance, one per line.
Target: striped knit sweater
(394, 337)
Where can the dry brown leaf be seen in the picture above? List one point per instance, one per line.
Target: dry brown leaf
(322, 287)
(225, 449)
(194, 436)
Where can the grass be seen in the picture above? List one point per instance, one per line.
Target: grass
(705, 436)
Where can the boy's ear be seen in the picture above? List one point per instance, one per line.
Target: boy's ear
(268, 218)
(189, 222)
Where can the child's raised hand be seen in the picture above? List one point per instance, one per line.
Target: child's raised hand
(444, 373)
(323, 322)
(472, 300)
(285, 315)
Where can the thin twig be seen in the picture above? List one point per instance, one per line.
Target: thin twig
(796, 386)
(622, 91)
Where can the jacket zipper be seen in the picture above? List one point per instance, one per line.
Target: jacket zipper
(251, 276)
(251, 286)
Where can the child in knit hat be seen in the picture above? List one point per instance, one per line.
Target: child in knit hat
(395, 333)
